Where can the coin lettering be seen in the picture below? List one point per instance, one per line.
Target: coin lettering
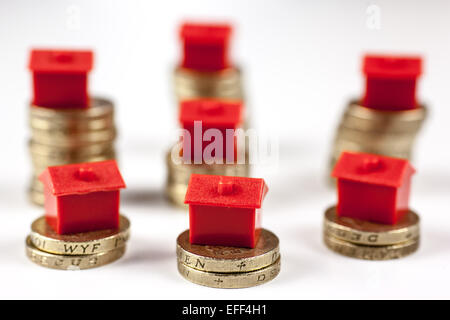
(368, 233)
(45, 238)
(70, 262)
(228, 259)
(230, 280)
(371, 252)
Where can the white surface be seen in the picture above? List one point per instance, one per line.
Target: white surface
(301, 62)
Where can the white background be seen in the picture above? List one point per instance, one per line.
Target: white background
(302, 64)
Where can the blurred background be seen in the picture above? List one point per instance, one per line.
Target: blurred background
(302, 64)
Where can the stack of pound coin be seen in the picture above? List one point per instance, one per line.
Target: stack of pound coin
(371, 241)
(223, 84)
(389, 133)
(207, 84)
(179, 173)
(229, 267)
(76, 251)
(66, 136)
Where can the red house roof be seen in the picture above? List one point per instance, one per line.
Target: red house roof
(237, 192)
(372, 169)
(392, 67)
(61, 61)
(211, 112)
(83, 178)
(205, 34)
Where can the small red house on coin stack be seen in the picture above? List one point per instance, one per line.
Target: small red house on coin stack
(372, 187)
(225, 211)
(82, 197)
(60, 78)
(204, 114)
(205, 46)
(391, 82)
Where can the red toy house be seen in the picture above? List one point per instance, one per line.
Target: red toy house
(212, 114)
(225, 211)
(205, 46)
(60, 78)
(391, 82)
(82, 197)
(372, 188)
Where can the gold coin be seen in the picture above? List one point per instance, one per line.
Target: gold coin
(378, 140)
(228, 259)
(370, 233)
(99, 108)
(72, 126)
(36, 197)
(41, 163)
(366, 119)
(375, 147)
(175, 193)
(36, 184)
(360, 251)
(43, 150)
(230, 280)
(389, 133)
(218, 84)
(65, 262)
(46, 239)
(50, 138)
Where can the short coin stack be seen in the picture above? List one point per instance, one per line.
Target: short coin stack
(371, 241)
(229, 267)
(76, 251)
(63, 136)
(389, 133)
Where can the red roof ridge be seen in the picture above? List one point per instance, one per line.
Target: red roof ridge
(211, 111)
(372, 168)
(61, 61)
(205, 32)
(82, 178)
(392, 66)
(245, 192)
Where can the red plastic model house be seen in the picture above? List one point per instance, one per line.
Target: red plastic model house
(82, 197)
(225, 211)
(372, 188)
(60, 78)
(207, 114)
(205, 46)
(391, 82)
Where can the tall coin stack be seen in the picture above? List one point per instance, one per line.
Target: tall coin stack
(204, 114)
(207, 84)
(205, 70)
(371, 241)
(66, 125)
(178, 176)
(390, 133)
(229, 267)
(388, 117)
(61, 137)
